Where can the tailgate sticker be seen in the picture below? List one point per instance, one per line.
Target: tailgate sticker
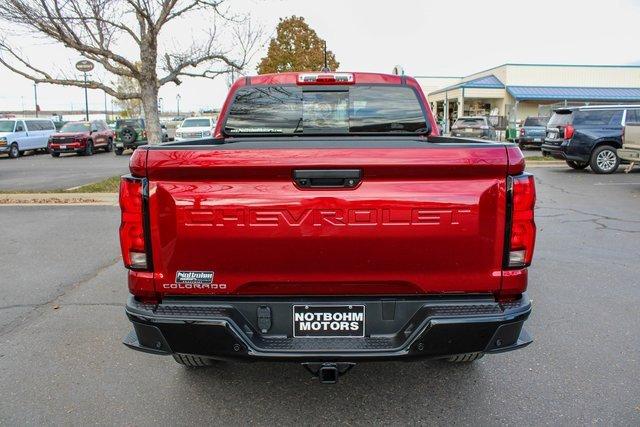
(194, 276)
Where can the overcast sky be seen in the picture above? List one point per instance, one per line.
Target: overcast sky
(426, 37)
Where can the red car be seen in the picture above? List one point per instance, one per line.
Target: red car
(82, 138)
(327, 223)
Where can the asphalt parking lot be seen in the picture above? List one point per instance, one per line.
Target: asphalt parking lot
(62, 321)
(42, 172)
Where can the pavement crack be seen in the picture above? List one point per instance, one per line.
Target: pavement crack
(597, 216)
(39, 308)
(602, 226)
(556, 187)
(73, 304)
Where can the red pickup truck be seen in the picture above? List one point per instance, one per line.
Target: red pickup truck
(327, 223)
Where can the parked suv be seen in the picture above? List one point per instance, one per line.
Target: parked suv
(533, 131)
(588, 136)
(195, 128)
(20, 135)
(132, 133)
(81, 138)
(473, 127)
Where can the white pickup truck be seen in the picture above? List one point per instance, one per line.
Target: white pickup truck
(630, 150)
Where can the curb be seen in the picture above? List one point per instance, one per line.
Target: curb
(59, 199)
(544, 163)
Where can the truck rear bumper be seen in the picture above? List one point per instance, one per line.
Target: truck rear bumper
(561, 152)
(400, 328)
(629, 155)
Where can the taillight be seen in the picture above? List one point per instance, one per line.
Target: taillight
(522, 232)
(325, 78)
(522, 132)
(568, 132)
(132, 227)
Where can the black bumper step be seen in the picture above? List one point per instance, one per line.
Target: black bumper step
(418, 328)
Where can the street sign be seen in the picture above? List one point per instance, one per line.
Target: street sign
(85, 66)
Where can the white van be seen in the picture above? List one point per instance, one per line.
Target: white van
(20, 135)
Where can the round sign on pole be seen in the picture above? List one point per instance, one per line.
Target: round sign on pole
(85, 65)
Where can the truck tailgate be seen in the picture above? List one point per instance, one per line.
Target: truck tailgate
(421, 220)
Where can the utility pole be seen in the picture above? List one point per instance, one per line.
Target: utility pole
(178, 102)
(325, 69)
(106, 113)
(35, 95)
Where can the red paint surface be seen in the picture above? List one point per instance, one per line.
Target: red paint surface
(427, 220)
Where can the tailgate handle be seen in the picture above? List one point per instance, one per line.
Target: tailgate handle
(327, 178)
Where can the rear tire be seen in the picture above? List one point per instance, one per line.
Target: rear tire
(109, 147)
(604, 160)
(55, 154)
(192, 361)
(119, 151)
(465, 358)
(14, 151)
(577, 165)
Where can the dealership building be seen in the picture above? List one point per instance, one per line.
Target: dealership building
(511, 92)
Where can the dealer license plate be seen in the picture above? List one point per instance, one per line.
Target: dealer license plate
(328, 321)
(537, 139)
(63, 147)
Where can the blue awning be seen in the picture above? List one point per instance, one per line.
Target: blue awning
(490, 82)
(486, 82)
(558, 93)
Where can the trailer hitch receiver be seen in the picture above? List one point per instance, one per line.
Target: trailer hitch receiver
(328, 372)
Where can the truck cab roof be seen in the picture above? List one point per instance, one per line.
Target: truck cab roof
(293, 78)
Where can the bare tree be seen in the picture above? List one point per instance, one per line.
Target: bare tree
(97, 28)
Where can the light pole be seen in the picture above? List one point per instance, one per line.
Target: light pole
(106, 113)
(178, 103)
(86, 99)
(35, 95)
(85, 66)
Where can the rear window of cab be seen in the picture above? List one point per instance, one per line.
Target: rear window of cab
(536, 121)
(605, 117)
(288, 110)
(597, 117)
(470, 123)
